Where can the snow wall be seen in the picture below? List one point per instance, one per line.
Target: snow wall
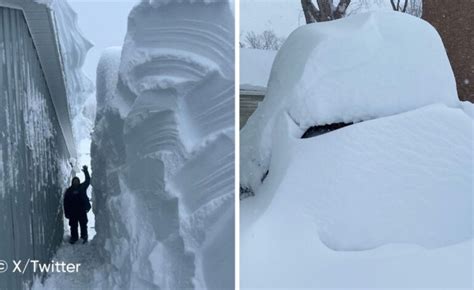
(80, 89)
(384, 203)
(163, 148)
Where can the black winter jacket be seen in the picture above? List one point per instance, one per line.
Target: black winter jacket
(76, 202)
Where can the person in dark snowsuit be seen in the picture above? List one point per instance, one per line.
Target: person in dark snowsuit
(77, 205)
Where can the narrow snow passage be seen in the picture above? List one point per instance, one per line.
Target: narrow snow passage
(91, 264)
(84, 158)
(81, 97)
(90, 272)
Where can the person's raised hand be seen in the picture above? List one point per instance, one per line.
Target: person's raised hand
(84, 168)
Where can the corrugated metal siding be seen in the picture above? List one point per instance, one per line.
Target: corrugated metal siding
(42, 26)
(31, 149)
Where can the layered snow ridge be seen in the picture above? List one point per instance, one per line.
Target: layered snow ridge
(163, 148)
(80, 89)
(358, 68)
(384, 202)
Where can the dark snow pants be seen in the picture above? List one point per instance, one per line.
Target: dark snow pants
(82, 221)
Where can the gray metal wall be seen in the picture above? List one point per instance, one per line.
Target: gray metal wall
(32, 149)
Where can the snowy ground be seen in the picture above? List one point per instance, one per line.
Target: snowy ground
(386, 202)
(90, 276)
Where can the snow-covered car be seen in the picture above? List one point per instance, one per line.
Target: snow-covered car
(385, 199)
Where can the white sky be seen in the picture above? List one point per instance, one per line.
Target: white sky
(284, 16)
(102, 31)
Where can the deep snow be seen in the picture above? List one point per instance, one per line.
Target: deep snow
(385, 202)
(81, 100)
(349, 70)
(163, 149)
(91, 274)
(80, 90)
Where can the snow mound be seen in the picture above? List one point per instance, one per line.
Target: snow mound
(163, 148)
(107, 73)
(385, 202)
(255, 68)
(354, 69)
(468, 107)
(74, 47)
(329, 201)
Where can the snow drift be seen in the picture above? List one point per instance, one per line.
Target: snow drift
(347, 71)
(163, 148)
(383, 203)
(329, 202)
(80, 90)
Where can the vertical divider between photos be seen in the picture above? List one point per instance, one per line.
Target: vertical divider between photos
(237, 140)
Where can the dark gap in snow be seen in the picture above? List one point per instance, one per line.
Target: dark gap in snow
(246, 192)
(323, 129)
(313, 131)
(264, 176)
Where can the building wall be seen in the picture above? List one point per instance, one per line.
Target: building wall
(33, 154)
(248, 104)
(454, 20)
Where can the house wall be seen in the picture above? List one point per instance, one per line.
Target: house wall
(248, 104)
(454, 21)
(33, 154)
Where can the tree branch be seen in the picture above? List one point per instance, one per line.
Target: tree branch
(393, 5)
(341, 9)
(405, 6)
(325, 10)
(311, 13)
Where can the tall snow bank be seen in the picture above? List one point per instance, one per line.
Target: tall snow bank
(163, 149)
(354, 69)
(80, 90)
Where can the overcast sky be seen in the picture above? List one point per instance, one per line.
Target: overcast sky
(281, 16)
(284, 16)
(104, 23)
